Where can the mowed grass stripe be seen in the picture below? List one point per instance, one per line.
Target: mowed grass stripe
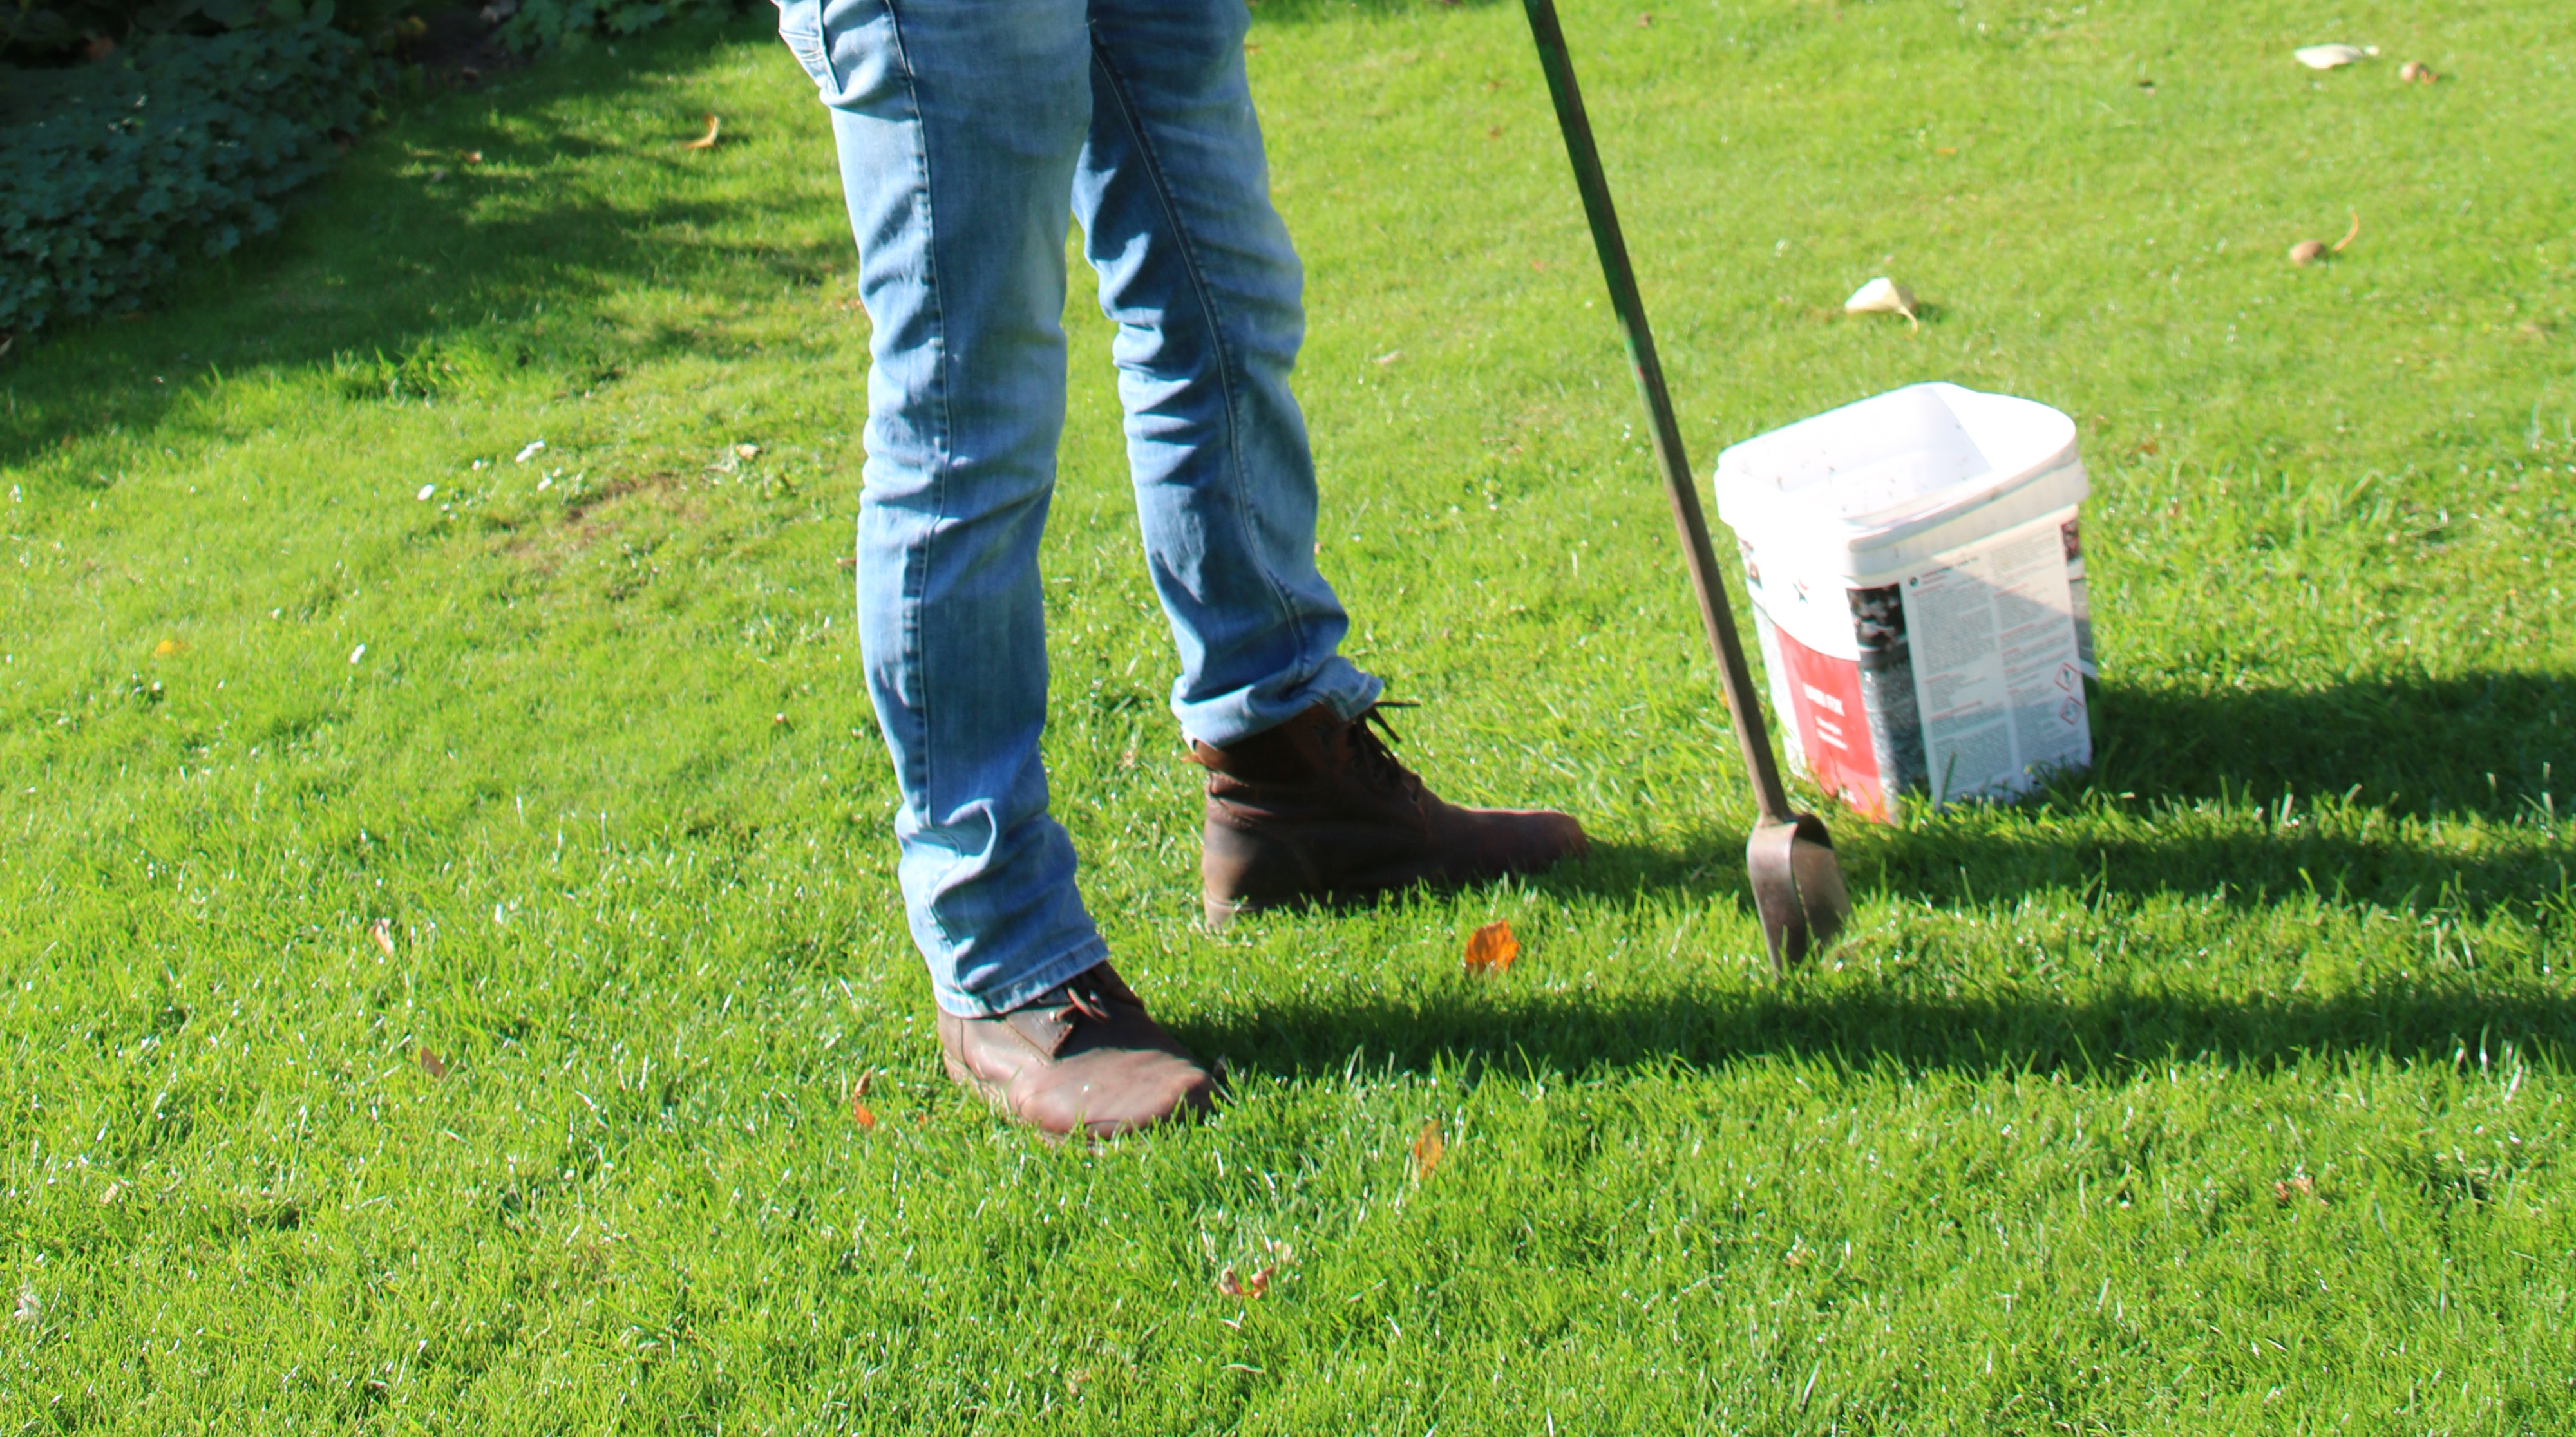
(2224, 1088)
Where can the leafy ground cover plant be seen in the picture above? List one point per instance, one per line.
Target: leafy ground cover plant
(113, 174)
(449, 911)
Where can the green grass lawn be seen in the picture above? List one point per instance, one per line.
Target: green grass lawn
(2227, 1088)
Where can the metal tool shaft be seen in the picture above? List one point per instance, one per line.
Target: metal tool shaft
(1743, 703)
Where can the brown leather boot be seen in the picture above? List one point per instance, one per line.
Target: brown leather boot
(1319, 808)
(1083, 1057)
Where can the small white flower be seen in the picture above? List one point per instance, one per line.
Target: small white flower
(426, 490)
(535, 448)
(357, 653)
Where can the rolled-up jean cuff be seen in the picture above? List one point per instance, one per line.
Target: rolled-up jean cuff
(1019, 992)
(1339, 685)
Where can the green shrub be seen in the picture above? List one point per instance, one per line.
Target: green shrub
(111, 173)
(531, 24)
(42, 33)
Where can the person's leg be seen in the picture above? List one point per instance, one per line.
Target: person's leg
(1195, 267)
(1303, 799)
(958, 124)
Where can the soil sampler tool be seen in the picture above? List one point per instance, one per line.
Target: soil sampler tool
(1797, 881)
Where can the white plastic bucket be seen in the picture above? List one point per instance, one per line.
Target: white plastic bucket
(1917, 576)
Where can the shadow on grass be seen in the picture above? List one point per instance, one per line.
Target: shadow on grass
(2113, 1034)
(410, 255)
(2483, 743)
(2439, 751)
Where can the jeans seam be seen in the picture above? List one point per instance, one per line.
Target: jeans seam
(916, 578)
(1094, 948)
(1217, 342)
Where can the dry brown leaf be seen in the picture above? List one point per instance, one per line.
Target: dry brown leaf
(859, 1114)
(1260, 1284)
(432, 1064)
(1428, 1146)
(707, 141)
(2297, 1185)
(2310, 251)
(1228, 1285)
(383, 933)
(1492, 948)
(473, 157)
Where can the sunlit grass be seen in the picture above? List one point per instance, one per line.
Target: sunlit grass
(2225, 1088)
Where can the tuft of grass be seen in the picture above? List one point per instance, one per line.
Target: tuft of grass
(2223, 1088)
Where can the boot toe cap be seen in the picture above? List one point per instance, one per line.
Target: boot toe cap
(1107, 1098)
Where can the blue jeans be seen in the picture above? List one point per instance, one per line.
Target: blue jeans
(964, 128)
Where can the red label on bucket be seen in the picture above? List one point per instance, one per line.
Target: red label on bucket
(1832, 724)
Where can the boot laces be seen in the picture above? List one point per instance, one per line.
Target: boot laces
(1374, 755)
(1087, 1001)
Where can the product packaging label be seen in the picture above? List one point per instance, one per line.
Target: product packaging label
(1998, 677)
(1964, 680)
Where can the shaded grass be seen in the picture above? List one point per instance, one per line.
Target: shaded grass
(2224, 1088)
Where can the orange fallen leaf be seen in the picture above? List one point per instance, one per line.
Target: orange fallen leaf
(1228, 1285)
(1260, 1284)
(859, 1114)
(1492, 948)
(1427, 1149)
(383, 933)
(432, 1064)
(706, 141)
